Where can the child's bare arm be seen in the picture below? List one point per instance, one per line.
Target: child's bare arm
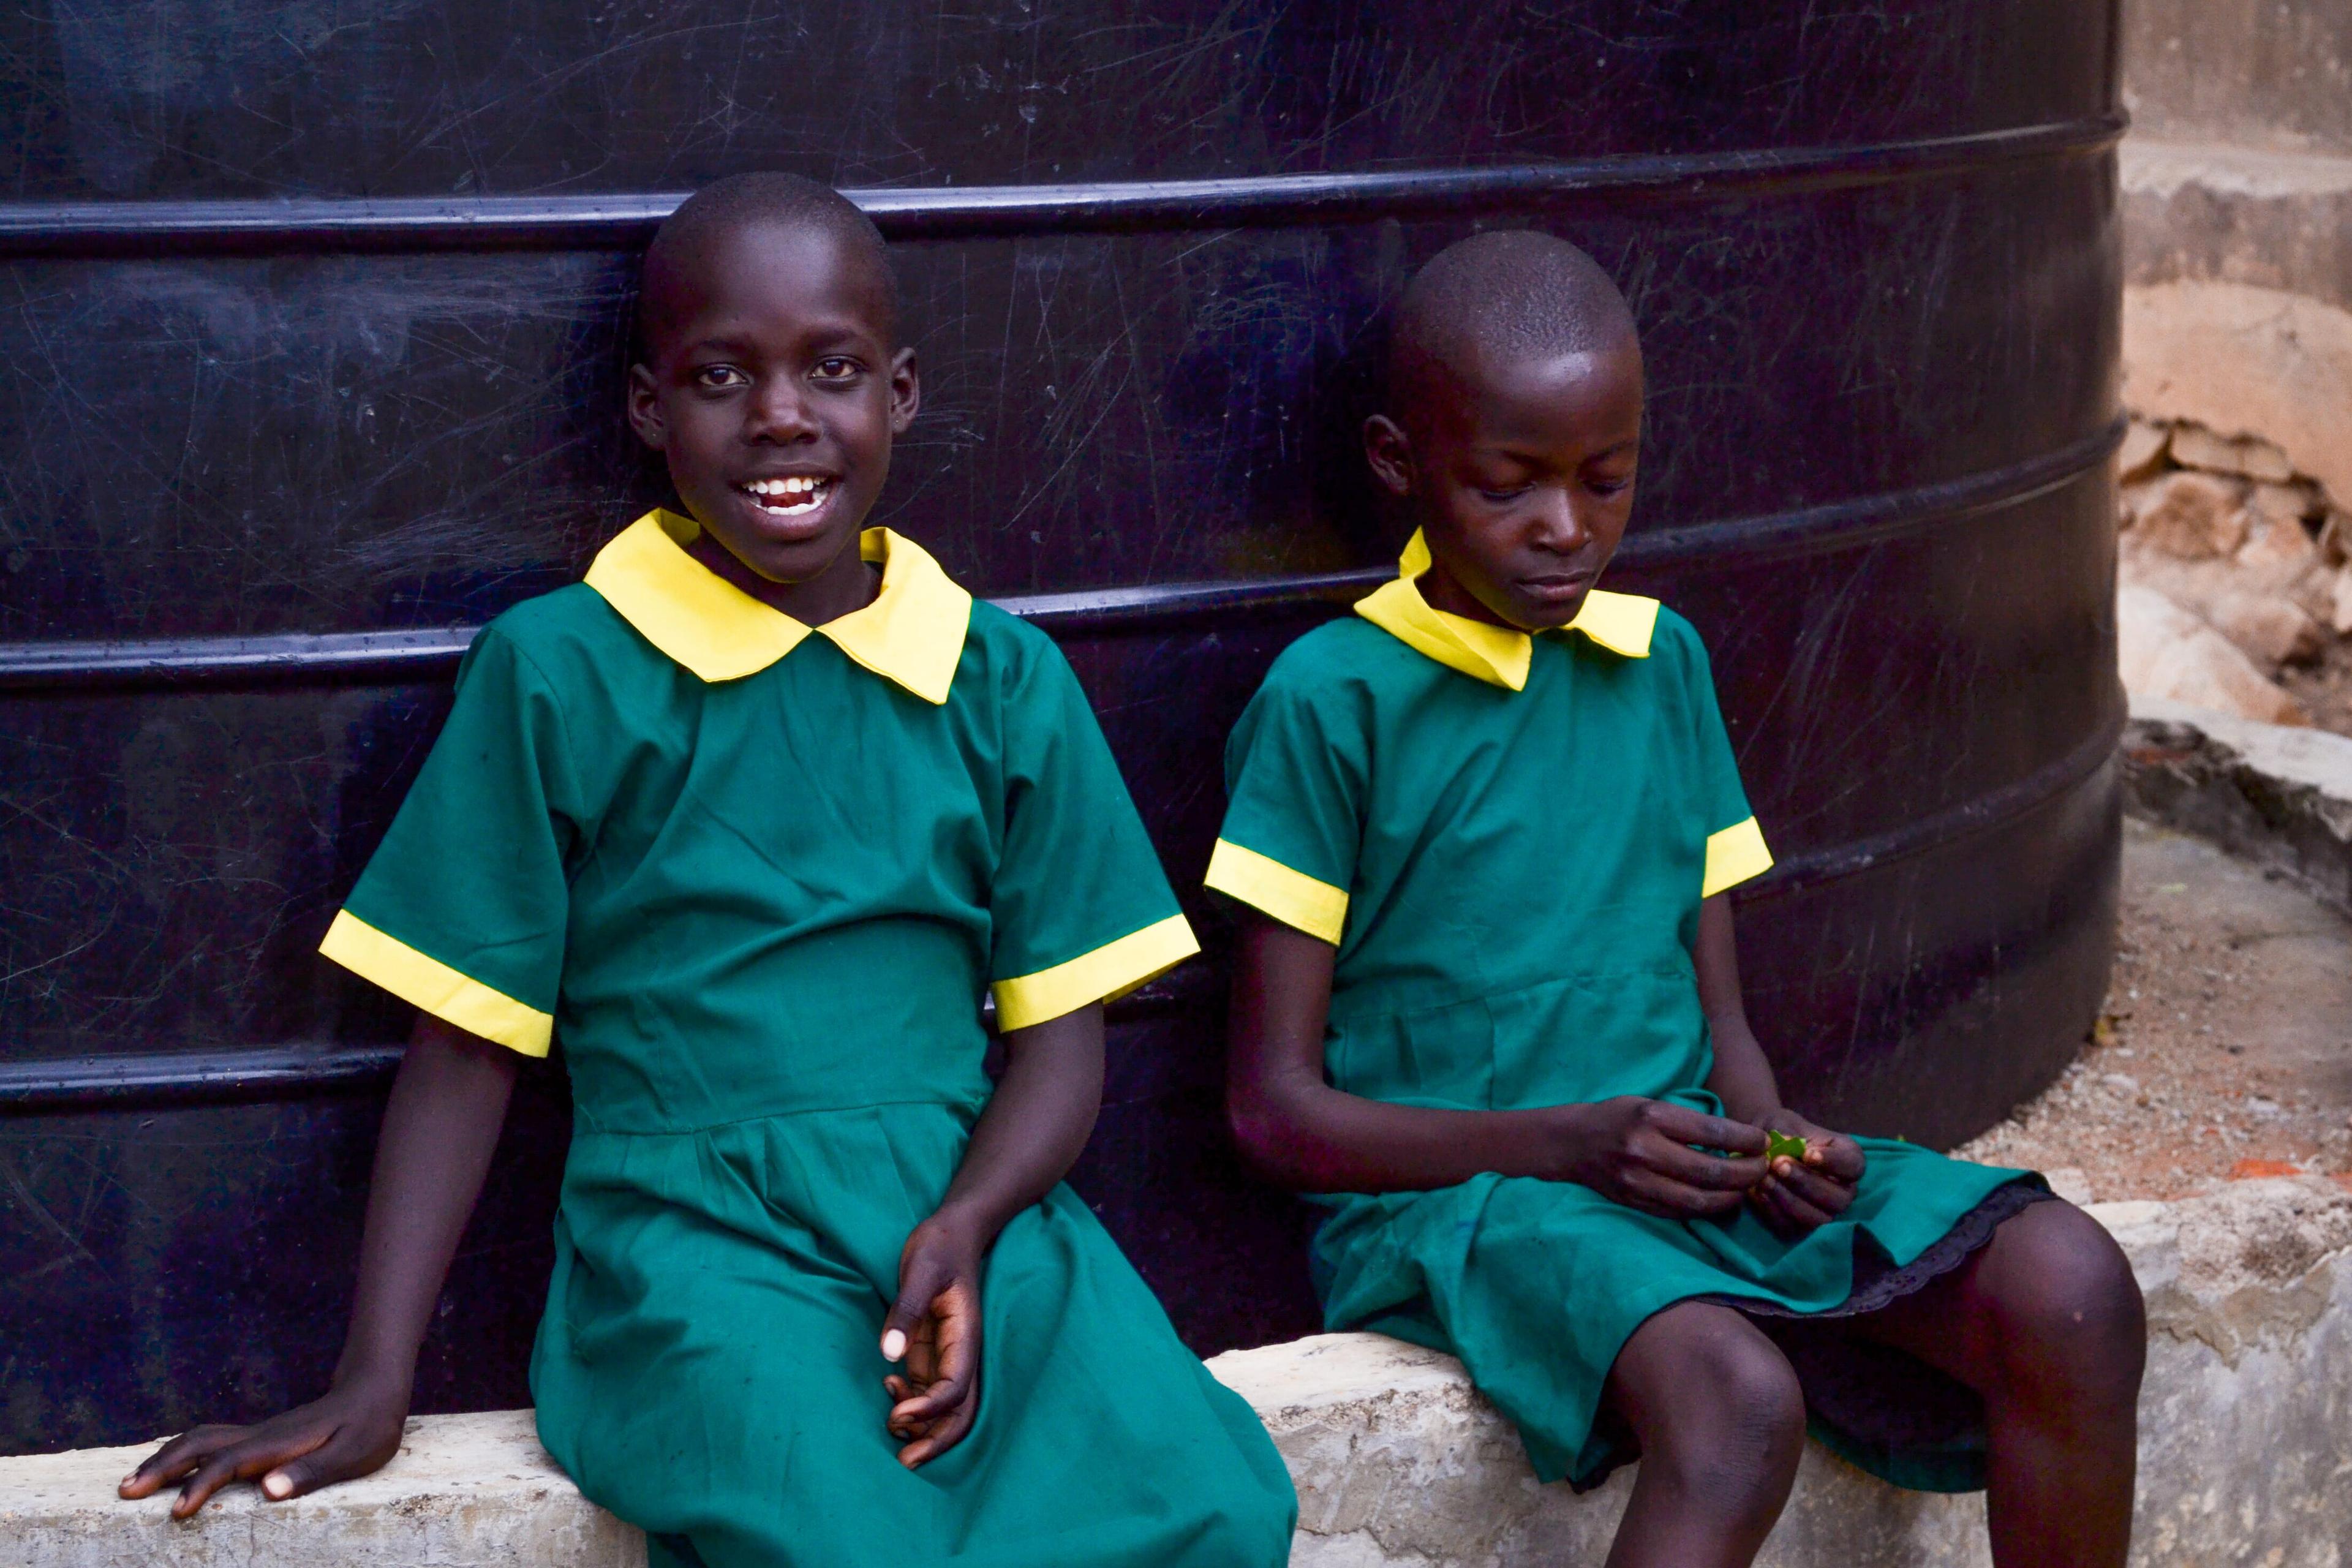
(1794, 1196)
(1311, 1137)
(1033, 1128)
(440, 1127)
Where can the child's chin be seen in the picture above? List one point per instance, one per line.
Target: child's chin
(1546, 618)
(788, 549)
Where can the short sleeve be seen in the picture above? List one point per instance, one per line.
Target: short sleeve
(463, 908)
(1295, 772)
(1735, 841)
(1081, 910)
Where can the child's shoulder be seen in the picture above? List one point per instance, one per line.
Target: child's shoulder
(1348, 655)
(1332, 684)
(1006, 653)
(559, 634)
(1676, 640)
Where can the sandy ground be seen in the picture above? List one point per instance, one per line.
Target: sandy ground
(2226, 1048)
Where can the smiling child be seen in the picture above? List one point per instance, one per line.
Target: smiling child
(1488, 1001)
(748, 821)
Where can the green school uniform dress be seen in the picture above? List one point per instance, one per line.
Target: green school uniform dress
(1507, 838)
(756, 883)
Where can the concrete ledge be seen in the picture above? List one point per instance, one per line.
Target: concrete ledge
(2277, 796)
(2276, 220)
(2246, 1424)
(463, 1490)
(2246, 1448)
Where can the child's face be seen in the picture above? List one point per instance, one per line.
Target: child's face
(773, 387)
(1521, 475)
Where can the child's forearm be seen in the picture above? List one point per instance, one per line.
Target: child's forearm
(1310, 1137)
(443, 1121)
(440, 1128)
(1036, 1124)
(1742, 1077)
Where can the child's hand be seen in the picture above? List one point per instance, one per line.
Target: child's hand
(1797, 1195)
(352, 1431)
(934, 1329)
(1641, 1152)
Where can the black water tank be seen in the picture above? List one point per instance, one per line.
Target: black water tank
(310, 334)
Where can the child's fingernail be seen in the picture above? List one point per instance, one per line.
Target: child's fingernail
(277, 1484)
(130, 1478)
(894, 1345)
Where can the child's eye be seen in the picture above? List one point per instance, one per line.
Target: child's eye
(717, 377)
(836, 367)
(1514, 494)
(1611, 487)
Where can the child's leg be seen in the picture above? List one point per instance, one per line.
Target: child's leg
(2045, 1323)
(1722, 1425)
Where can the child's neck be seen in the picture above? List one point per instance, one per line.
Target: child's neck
(847, 584)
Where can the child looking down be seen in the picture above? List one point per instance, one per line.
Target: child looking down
(748, 821)
(1487, 1000)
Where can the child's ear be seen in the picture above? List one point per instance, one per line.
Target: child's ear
(645, 409)
(906, 392)
(1390, 452)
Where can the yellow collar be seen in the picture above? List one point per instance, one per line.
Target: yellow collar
(912, 633)
(1499, 656)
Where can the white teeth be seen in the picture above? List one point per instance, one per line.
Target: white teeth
(800, 493)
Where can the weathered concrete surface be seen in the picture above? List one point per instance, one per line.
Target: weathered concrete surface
(1398, 1461)
(2271, 74)
(2246, 1446)
(2246, 1424)
(466, 1491)
(2234, 215)
(2277, 796)
(2261, 74)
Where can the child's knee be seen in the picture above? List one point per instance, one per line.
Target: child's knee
(2064, 1305)
(1754, 1392)
(1731, 1426)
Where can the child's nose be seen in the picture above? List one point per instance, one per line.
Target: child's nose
(1564, 528)
(779, 411)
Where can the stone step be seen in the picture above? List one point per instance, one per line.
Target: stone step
(2277, 220)
(2281, 798)
(2246, 1448)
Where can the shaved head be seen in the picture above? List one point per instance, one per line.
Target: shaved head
(708, 220)
(1513, 426)
(1502, 298)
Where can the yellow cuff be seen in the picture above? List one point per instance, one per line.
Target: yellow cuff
(1111, 970)
(431, 985)
(1733, 856)
(1293, 898)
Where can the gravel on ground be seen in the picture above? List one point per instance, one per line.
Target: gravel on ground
(2225, 1048)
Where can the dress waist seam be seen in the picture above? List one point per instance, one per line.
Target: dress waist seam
(1666, 971)
(588, 1124)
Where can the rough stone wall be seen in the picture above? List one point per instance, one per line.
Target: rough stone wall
(2236, 212)
(2236, 187)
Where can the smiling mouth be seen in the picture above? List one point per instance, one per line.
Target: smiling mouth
(792, 496)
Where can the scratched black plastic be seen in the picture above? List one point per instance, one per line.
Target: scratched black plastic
(309, 354)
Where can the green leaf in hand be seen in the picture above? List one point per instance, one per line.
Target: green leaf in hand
(1778, 1146)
